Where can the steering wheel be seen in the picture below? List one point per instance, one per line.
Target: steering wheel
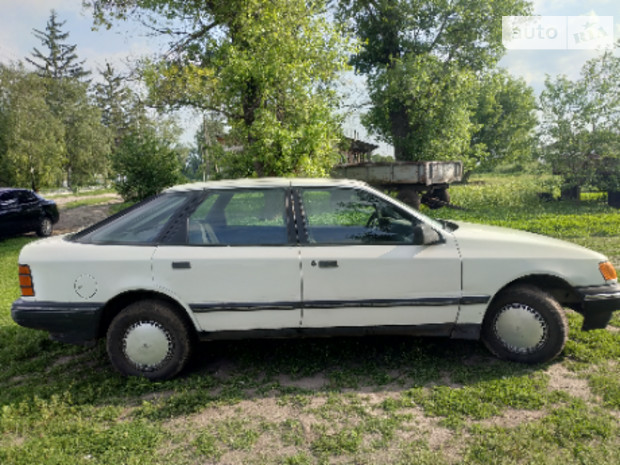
(375, 219)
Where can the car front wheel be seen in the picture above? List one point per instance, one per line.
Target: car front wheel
(45, 227)
(525, 324)
(149, 339)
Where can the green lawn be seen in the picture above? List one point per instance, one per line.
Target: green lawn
(360, 400)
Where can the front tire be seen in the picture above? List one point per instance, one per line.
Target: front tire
(525, 324)
(149, 339)
(45, 227)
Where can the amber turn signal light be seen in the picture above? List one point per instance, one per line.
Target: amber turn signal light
(608, 271)
(25, 281)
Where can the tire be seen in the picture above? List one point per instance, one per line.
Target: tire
(45, 227)
(442, 194)
(149, 339)
(525, 324)
(409, 196)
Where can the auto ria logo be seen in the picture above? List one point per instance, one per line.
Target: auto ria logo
(558, 32)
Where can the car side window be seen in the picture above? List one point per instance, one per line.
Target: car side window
(240, 217)
(26, 197)
(350, 216)
(7, 199)
(139, 226)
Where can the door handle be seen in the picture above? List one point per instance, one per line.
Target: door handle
(326, 263)
(181, 265)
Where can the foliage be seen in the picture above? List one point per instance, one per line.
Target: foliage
(581, 124)
(115, 101)
(32, 150)
(436, 98)
(504, 119)
(420, 59)
(87, 142)
(268, 68)
(145, 164)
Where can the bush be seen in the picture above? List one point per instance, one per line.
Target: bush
(145, 165)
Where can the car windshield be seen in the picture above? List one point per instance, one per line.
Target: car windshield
(141, 225)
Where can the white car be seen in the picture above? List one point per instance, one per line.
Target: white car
(290, 257)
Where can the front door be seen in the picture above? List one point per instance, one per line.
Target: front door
(364, 264)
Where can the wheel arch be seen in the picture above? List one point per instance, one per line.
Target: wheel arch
(557, 287)
(115, 305)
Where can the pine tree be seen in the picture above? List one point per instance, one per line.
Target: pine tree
(61, 61)
(115, 101)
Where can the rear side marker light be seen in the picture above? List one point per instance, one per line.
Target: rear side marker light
(25, 281)
(608, 271)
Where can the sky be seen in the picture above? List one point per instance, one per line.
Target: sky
(127, 41)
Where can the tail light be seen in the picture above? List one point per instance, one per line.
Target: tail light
(25, 281)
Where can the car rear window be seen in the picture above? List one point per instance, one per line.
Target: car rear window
(142, 225)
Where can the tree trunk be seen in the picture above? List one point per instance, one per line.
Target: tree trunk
(400, 128)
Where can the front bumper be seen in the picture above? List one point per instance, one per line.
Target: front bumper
(598, 304)
(74, 323)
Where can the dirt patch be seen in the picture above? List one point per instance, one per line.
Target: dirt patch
(74, 219)
(561, 379)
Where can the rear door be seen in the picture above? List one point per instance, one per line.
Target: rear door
(239, 268)
(364, 264)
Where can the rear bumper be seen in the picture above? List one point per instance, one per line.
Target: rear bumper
(74, 323)
(598, 304)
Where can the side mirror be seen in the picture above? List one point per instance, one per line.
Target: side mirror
(430, 236)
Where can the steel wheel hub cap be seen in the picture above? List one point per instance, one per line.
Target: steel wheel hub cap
(520, 328)
(147, 344)
(47, 227)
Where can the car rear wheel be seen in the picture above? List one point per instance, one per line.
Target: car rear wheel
(149, 339)
(45, 227)
(525, 324)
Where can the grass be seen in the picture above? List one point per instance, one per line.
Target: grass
(370, 400)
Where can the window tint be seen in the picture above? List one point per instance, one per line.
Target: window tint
(240, 217)
(349, 216)
(26, 197)
(140, 226)
(7, 198)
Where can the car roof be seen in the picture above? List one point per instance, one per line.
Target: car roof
(253, 183)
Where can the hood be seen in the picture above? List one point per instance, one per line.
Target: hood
(492, 239)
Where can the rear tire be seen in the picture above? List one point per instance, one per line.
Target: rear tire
(525, 324)
(149, 339)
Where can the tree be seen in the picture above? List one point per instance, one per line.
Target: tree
(581, 126)
(31, 137)
(115, 101)
(146, 164)
(506, 120)
(268, 68)
(61, 61)
(86, 140)
(420, 59)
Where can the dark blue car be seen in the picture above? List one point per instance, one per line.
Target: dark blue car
(23, 211)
